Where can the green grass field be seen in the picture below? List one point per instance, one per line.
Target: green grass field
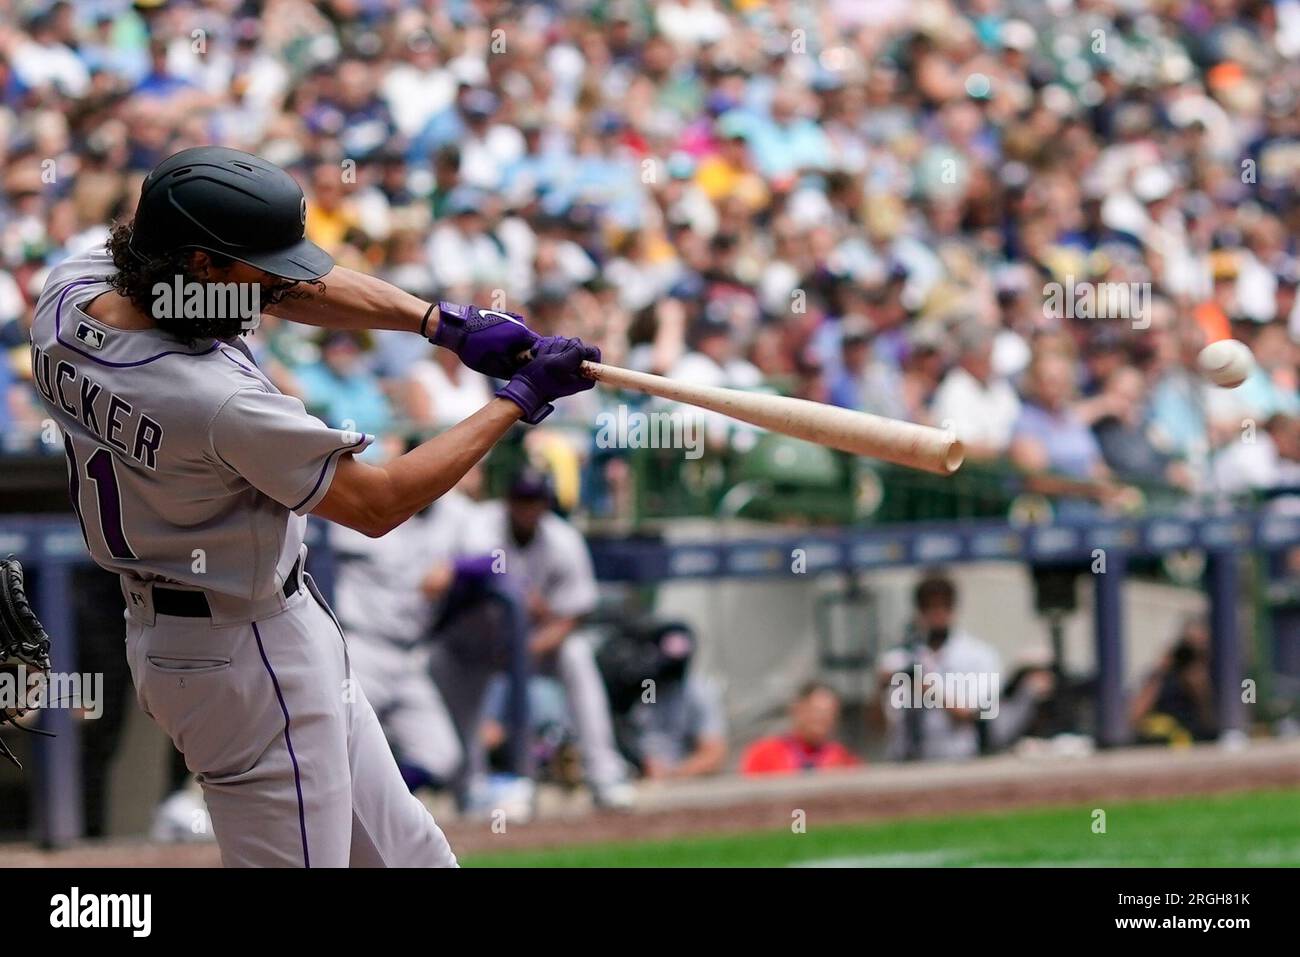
(1260, 829)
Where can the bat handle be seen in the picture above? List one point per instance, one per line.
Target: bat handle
(589, 369)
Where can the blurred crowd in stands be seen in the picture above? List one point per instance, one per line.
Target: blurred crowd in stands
(1021, 220)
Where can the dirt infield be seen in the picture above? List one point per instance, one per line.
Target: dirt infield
(879, 793)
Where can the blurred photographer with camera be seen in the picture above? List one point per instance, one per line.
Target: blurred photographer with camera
(669, 721)
(1175, 704)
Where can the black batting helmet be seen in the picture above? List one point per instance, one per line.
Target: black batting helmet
(229, 202)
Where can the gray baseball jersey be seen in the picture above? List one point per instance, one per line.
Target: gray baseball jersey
(185, 462)
(188, 467)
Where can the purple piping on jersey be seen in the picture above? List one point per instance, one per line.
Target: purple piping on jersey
(58, 334)
(297, 776)
(325, 468)
(239, 362)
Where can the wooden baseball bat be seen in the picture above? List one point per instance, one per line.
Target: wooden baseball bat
(903, 443)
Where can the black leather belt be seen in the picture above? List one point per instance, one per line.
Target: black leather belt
(194, 604)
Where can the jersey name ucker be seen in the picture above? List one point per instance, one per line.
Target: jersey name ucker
(103, 413)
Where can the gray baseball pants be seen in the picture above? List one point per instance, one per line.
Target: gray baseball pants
(294, 766)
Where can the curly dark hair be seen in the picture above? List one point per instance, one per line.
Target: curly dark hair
(137, 278)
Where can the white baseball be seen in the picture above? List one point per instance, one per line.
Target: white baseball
(1227, 362)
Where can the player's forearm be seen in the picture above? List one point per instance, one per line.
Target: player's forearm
(424, 474)
(376, 499)
(354, 300)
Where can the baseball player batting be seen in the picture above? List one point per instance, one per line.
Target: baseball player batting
(193, 476)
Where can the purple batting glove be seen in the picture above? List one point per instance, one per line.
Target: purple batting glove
(555, 371)
(486, 340)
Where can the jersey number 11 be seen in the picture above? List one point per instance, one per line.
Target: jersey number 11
(102, 472)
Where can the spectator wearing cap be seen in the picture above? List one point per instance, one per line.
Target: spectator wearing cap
(446, 126)
(380, 200)
(391, 179)
(923, 368)
(809, 745)
(1093, 232)
(352, 113)
(1017, 315)
(892, 340)
(417, 86)
(545, 161)
(561, 261)
(610, 173)
(714, 358)
(487, 147)
(862, 381)
(462, 250)
(978, 406)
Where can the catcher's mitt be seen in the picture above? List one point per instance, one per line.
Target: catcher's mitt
(24, 646)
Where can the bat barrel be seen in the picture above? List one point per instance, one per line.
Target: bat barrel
(861, 433)
(902, 443)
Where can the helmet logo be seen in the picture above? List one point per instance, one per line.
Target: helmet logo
(302, 211)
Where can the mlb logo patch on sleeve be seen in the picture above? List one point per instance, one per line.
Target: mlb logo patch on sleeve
(90, 335)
